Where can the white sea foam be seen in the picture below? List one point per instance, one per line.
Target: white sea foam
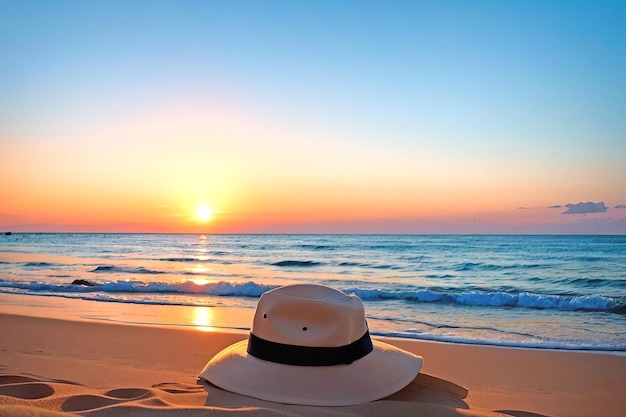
(252, 289)
(494, 299)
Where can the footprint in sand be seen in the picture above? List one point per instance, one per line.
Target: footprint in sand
(88, 402)
(26, 390)
(176, 388)
(16, 379)
(129, 393)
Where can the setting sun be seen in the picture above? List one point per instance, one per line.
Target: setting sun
(204, 213)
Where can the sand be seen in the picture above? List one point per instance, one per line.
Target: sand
(51, 367)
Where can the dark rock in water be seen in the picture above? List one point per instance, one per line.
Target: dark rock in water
(84, 282)
(103, 268)
(8, 233)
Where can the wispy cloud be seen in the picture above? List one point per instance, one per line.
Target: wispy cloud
(620, 206)
(585, 208)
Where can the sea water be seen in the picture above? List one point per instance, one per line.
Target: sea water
(566, 292)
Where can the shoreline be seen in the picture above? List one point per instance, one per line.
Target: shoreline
(206, 318)
(96, 356)
(203, 318)
(453, 289)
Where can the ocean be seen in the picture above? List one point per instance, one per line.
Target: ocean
(561, 292)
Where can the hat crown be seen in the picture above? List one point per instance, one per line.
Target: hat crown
(309, 315)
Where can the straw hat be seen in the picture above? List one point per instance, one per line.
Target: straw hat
(310, 345)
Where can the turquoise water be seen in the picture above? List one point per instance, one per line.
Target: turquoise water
(533, 291)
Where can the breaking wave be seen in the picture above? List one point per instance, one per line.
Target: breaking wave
(221, 288)
(498, 299)
(250, 289)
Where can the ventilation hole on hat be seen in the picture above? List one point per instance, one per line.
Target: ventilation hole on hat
(264, 316)
(305, 328)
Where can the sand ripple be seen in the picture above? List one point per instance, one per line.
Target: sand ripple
(30, 396)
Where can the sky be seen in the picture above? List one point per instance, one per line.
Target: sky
(321, 116)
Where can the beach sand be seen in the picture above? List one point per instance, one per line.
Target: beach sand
(52, 367)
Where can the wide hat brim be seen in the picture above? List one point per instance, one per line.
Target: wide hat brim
(382, 372)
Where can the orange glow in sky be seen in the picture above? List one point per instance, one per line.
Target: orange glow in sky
(289, 119)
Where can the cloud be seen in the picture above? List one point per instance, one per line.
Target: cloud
(620, 206)
(555, 206)
(585, 208)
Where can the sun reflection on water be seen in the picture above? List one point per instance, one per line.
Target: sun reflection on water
(200, 269)
(202, 318)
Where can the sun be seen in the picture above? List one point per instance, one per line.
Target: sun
(204, 213)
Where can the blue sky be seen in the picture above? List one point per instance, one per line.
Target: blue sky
(522, 101)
